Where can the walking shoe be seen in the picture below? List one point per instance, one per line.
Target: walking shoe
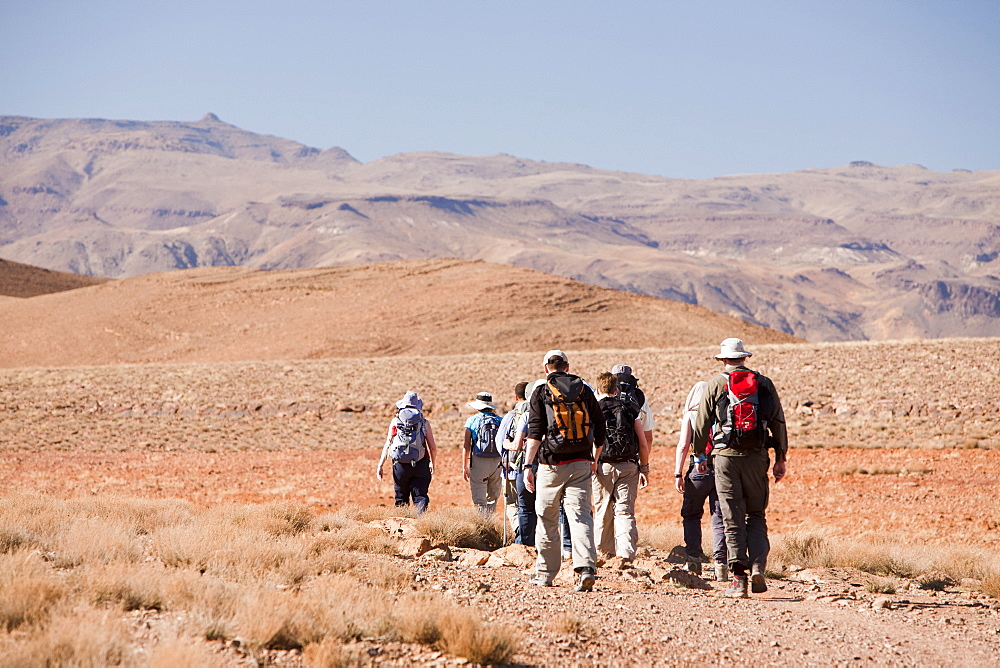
(587, 580)
(758, 584)
(693, 566)
(721, 572)
(738, 587)
(540, 580)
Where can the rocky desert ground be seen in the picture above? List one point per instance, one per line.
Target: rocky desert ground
(896, 448)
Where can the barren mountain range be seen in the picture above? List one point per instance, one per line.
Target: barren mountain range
(854, 252)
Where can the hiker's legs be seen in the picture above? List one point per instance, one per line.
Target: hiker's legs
(625, 494)
(494, 488)
(481, 469)
(548, 495)
(729, 483)
(577, 502)
(567, 539)
(603, 491)
(756, 491)
(401, 483)
(510, 505)
(526, 517)
(420, 482)
(697, 488)
(718, 530)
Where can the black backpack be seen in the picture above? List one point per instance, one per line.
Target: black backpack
(622, 444)
(629, 392)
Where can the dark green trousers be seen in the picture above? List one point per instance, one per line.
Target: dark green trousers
(743, 492)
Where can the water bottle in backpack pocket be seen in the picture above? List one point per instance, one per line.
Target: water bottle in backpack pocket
(407, 444)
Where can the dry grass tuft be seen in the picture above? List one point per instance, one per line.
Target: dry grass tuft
(27, 593)
(570, 624)
(462, 527)
(331, 653)
(662, 537)
(991, 586)
(73, 638)
(464, 634)
(881, 586)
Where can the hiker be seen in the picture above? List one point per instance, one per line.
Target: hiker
(510, 443)
(622, 469)
(628, 390)
(526, 515)
(566, 431)
(410, 446)
(694, 477)
(481, 463)
(742, 414)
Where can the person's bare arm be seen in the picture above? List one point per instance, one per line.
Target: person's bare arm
(431, 445)
(529, 475)
(467, 448)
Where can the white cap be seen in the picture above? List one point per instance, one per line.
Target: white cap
(555, 353)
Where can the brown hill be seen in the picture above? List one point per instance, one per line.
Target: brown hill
(425, 307)
(854, 252)
(22, 280)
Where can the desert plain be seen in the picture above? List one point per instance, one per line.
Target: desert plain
(885, 532)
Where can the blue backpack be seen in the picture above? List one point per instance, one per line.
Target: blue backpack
(485, 436)
(408, 444)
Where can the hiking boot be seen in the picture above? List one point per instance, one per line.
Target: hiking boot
(587, 580)
(738, 587)
(721, 572)
(758, 583)
(693, 566)
(540, 580)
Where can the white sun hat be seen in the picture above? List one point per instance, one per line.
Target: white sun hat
(731, 349)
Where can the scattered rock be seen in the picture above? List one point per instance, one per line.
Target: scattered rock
(882, 603)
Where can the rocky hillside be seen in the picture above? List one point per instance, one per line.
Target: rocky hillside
(421, 307)
(854, 252)
(22, 280)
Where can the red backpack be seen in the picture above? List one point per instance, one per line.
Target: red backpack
(743, 427)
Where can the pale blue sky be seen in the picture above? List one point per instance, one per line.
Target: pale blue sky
(686, 89)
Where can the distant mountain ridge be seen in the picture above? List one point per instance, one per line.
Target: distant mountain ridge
(854, 252)
(416, 307)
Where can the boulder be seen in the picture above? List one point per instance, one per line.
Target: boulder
(683, 578)
(518, 555)
(496, 561)
(400, 527)
(438, 553)
(473, 557)
(414, 547)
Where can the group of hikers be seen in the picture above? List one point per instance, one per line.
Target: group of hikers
(570, 458)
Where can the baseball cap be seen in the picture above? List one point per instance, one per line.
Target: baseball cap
(555, 353)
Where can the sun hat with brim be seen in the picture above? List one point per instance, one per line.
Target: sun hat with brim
(410, 399)
(484, 401)
(732, 349)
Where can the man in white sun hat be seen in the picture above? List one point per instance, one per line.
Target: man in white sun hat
(741, 413)
(481, 464)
